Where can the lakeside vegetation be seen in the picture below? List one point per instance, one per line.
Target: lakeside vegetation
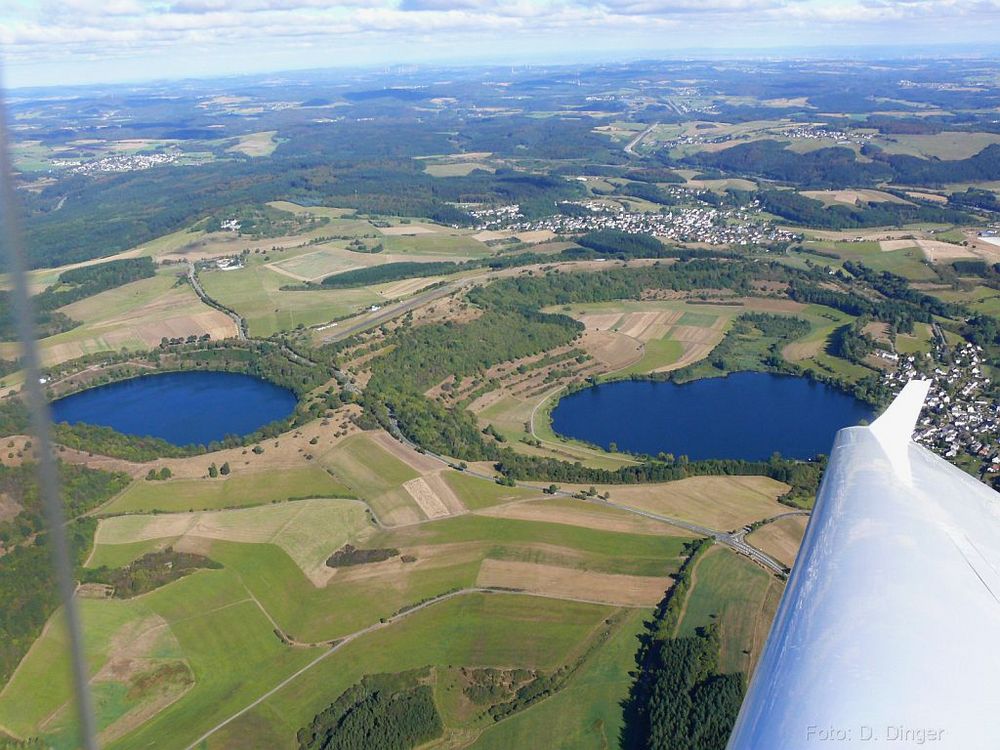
(263, 359)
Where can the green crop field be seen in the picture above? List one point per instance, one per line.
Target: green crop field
(981, 299)
(700, 319)
(920, 341)
(656, 354)
(376, 476)
(908, 262)
(545, 542)
(255, 293)
(740, 598)
(237, 490)
(584, 714)
(504, 630)
(438, 243)
(307, 530)
(119, 555)
(476, 493)
(223, 637)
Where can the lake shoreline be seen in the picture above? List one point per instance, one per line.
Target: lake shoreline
(635, 434)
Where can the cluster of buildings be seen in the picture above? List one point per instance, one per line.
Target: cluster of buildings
(695, 224)
(695, 140)
(811, 132)
(960, 418)
(123, 163)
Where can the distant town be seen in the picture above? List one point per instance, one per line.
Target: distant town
(696, 224)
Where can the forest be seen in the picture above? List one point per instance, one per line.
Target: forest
(149, 572)
(391, 272)
(72, 285)
(511, 327)
(838, 166)
(382, 712)
(28, 591)
(679, 700)
(810, 212)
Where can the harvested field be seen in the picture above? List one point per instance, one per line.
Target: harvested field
(878, 331)
(717, 502)
(287, 452)
(585, 515)
(612, 350)
(377, 476)
(781, 539)
(105, 463)
(695, 334)
(937, 251)
(488, 235)
(933, 197)
(600, 321)
(570, 583)
(800, 350)
(256, 144)
(320, 264)
(887, 246)
(419, 462)
(536, 237)
(428, 500)
(8, 507)
(636, 324)
(409, 229)
(308, 530)
(852, 197)
(406, 287)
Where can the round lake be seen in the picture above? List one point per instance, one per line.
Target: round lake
(180, 407)
(747, 415)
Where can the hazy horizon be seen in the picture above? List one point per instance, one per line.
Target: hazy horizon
(71, 42)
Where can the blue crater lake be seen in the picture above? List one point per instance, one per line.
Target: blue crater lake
(747, 415)
(180, 407)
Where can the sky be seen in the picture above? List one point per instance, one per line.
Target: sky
(68, 42)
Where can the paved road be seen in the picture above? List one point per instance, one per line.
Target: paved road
(629, 148)
(395, 309)
(339, 644)
(733, 540)
(241, 324)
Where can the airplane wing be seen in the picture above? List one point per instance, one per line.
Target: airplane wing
(888, 634)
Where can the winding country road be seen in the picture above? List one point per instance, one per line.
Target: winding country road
(241, 324)
(734, 540)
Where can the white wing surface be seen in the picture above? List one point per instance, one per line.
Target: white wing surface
(888, 634)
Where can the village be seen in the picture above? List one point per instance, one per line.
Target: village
(694, 224)
(960, 419)
(122, 163)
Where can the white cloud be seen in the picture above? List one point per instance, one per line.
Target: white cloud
(54, 32)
